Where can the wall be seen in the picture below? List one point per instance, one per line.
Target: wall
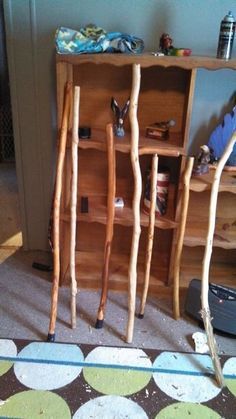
(31, 26)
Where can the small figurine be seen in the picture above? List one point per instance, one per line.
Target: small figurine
(166, 47)
(203, 159)
(166, 44)
(120, 115)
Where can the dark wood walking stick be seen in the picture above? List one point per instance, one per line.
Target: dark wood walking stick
(56, 211)
(110, 223)
(205, 311)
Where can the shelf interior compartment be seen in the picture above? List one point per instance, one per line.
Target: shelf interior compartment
(92, 184)
(197, 221)
(89, 257)
(163, 96)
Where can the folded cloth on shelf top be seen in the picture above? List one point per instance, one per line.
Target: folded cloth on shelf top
(92, 39)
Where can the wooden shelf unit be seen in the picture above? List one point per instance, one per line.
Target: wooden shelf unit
(167, 89)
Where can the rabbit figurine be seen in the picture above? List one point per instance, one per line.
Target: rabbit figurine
(120, 114)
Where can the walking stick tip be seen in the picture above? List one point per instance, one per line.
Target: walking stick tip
(51, 337)
(99, 324)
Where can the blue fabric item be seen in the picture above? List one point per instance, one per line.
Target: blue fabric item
(92, 39)
(221, 135)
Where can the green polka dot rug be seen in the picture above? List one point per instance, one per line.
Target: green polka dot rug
(58, 380)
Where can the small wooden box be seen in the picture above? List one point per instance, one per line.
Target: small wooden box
(157, 131)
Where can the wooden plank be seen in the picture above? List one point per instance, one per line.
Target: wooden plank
(203, 182)
(147, 60)
(123, 216)
(146, 145)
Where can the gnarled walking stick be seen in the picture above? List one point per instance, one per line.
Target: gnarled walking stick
(56, 212)
(132, 275)
(180, 234)
(73, 207)
(205, 311)
(151, 228)
(110, 223)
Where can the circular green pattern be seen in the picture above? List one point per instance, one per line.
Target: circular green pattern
(121, 382)
(34, 404)
(230, 368)
(187, 410)
(4, 367)
(231, 384)
(7, 348)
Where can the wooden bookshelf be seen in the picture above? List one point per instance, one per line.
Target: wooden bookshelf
(167, 91)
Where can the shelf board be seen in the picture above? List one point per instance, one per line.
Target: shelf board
(167, 147)
(123, 216)
(224, 235)
(203, 182)
(147, 60)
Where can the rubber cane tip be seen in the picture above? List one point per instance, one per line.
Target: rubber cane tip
(99, 324)
(51, 337)
(140, 316)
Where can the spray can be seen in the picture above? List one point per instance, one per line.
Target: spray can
(226, 37)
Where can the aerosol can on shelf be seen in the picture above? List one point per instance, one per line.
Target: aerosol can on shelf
(226, 37)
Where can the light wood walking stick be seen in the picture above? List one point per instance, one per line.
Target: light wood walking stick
(74, 184)
(110, 223)
(180, 234)
(132, 274)
(205, 311)
(56, 212)
(151, 228)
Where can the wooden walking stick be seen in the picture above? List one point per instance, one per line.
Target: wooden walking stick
(110, 223)
(56, 212)
(74, 182)
(205, 311)
(180, 234)
(151, 228)
(132, 274)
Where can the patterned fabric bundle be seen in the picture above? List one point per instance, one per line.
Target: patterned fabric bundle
(92, 39)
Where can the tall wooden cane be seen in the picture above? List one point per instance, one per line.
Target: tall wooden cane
(180, 234)
(151, 228)
(205, 311)
(56, 212)
(132, 274)
(73, 208)
(110, 223)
